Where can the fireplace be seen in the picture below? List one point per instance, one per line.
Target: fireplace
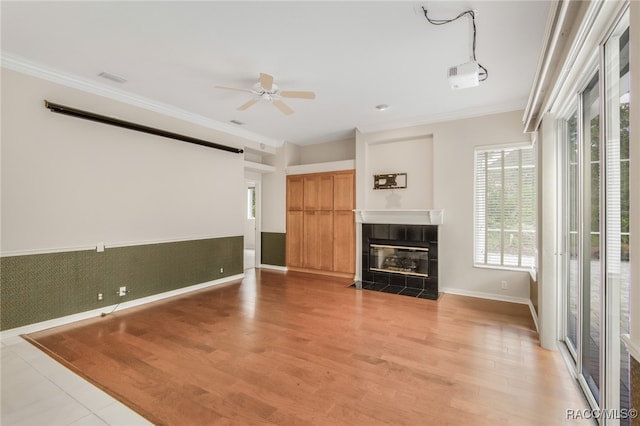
(400, 259)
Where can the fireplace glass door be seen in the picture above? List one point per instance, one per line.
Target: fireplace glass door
(399, 259)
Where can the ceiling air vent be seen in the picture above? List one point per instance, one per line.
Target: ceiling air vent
(112, 77)
(239, 123)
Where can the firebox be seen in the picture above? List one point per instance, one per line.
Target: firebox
(399, 259)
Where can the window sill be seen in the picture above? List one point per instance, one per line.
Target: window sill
(525, 269)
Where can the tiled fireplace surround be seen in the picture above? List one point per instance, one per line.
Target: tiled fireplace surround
(389, 282)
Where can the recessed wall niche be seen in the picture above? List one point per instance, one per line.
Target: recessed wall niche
(412, 156)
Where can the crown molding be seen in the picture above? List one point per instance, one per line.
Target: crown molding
(24, 66)
(444, 117)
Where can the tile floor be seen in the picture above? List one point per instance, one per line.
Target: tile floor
(394, 289)
(36, 390)
(249, 258)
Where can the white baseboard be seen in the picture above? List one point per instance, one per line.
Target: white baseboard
(534, 315)
(482, 295)
(7, 335)
(273, 267)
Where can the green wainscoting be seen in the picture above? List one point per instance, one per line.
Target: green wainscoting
(41, 287)
(273, 246)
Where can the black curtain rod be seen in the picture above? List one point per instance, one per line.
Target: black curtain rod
(61, 109)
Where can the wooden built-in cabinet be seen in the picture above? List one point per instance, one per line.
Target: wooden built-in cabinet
(320, 223)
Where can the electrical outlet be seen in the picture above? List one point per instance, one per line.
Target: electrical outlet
(100, 296)
(122, 291)
(222, 270)
(504, 285)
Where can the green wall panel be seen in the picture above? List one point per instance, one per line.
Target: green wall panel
(41, 287)
(273, 246)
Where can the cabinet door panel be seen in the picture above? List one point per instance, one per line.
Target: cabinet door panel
(325, 192)
(344, 244)
(295, 193)
(343, 191)
(311, 188)
(310, 239)
(295, 236)
(325, 241)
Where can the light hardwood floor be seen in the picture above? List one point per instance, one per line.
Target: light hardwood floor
(304, 349)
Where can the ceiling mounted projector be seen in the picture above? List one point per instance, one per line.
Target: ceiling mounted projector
(469, 74)
(465, 75)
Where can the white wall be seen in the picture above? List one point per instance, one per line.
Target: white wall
(68, 182)
(453, 146)
(291, 154)
(274, 194)
(329, 151)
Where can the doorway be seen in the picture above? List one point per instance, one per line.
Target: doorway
(251, 223)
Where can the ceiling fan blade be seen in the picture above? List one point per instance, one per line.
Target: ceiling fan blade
(247, 104)
(283, 107)
(297, 94)
(266, 81)
(233, 88)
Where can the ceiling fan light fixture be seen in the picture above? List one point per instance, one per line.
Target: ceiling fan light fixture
(268, 96)
(382, 107)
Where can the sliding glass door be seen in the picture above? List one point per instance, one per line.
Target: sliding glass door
(571, 241)
(591, 266)
(595, 229)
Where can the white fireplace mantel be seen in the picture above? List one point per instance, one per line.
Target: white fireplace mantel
(401, 217)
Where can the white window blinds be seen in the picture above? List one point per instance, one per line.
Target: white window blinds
(505, 205)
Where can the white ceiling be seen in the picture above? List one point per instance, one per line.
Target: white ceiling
(353, 55)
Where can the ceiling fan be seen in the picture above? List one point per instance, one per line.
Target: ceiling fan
(266, 90)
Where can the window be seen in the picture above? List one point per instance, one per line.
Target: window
(251, 202)
(505, 206)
